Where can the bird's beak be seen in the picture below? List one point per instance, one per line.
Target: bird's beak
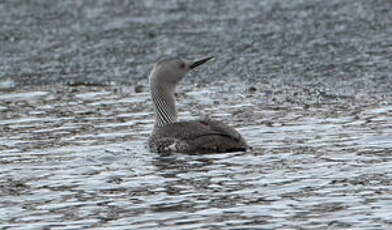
(199, 62)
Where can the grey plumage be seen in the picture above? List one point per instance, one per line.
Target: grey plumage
(170, 136)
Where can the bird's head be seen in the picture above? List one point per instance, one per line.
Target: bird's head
(172, 70)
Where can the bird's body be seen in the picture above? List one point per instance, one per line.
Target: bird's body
(171, 136)
(199, 136)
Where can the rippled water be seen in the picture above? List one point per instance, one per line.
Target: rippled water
(75, 157)
(306, 82)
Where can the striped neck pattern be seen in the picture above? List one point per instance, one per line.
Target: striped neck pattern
(164, 106)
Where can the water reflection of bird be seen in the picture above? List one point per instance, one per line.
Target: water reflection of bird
(198, 136)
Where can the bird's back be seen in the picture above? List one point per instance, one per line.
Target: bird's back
(199, 136)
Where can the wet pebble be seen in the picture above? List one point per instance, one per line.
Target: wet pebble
(139, 89)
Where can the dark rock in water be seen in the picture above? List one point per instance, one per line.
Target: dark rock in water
(252, 89)
(139, 89)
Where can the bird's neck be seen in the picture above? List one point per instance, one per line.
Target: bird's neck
(164, 104)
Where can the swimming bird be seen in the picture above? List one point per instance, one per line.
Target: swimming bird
(172, 136)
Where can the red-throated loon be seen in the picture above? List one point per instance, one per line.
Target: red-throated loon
(172, 136)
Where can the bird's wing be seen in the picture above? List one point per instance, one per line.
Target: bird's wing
(195, 129)
(201, 136)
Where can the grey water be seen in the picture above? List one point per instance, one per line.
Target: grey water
(307, 83)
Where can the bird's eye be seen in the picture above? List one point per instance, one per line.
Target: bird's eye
(182, 65)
